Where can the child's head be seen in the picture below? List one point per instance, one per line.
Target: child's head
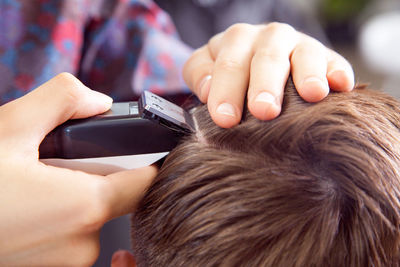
(318, 186)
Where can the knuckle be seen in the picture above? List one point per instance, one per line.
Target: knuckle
(67, 77)
(311, 43)
(195, 67)
(279, 27)
(197, 52)
(238, 29)
(214, 40)
(230, 65)
(274, 55)
(187, 71)
(192, 61)
(69, 80)
(71, 87)
(301, 49)
(310, 47)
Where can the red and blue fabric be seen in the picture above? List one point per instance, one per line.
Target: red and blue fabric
(118, 47)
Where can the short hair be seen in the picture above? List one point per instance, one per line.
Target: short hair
(318, 186)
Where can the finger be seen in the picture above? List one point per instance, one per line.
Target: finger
(197, 72)
(126, 189)
(61, 98)
(340, 74)
(215, 44)
(270, 68)
(123, 258)
(105, 197)
(231, 75)
(309, 67)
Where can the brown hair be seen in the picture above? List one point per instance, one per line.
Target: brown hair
(318, 186)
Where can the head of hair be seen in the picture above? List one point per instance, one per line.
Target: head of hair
(318, 186)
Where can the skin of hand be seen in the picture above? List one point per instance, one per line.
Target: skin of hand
(255, 61)
(52, 216)
(123, 258)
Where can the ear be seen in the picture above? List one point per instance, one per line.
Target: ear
(123, 258)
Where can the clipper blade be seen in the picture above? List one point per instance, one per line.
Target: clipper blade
(161, 111)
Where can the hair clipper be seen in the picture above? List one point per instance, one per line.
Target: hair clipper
(117, 139)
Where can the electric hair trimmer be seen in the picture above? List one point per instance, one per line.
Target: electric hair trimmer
(114, 140)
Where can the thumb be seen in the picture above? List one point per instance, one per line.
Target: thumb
(61, 98)
(126, 189)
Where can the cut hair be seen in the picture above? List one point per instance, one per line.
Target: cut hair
(318, 186)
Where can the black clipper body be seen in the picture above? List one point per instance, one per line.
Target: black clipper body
(150, 125)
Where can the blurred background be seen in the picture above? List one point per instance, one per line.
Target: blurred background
(366, 32)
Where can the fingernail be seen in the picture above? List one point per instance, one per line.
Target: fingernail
(339, 80)
(314, 82)
(338, 72)
(312, 88)
(205, 86)
(265, 97)
(226, 109)
(265, 106)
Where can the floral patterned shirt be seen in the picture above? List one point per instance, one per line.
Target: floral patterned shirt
(118, 47)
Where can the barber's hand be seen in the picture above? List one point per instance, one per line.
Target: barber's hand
(255, 61)
(51, 216)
